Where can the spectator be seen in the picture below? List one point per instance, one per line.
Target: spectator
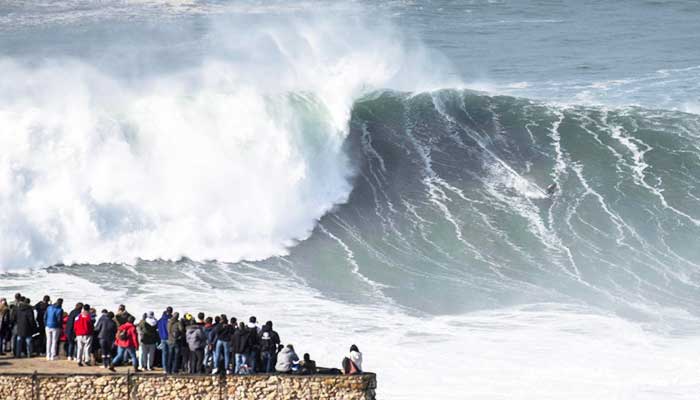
(269, 340)
(70, 332)
(223, 333)
(64, 338)
(175, 335)
(106, 329)
(352, 364)
(253, 324)
(209, 326)
(242, 347)
(307, 366)
(84, 328)
(163, 335)
(4, 324)
(122, 316)
(185, 358)
(14, 306)
(95, 344)
(252, 358)
(53, 321)
(196, 341)
(286, 359)
(26, 327)
(148, 334)
(127, 342)
(40, 309)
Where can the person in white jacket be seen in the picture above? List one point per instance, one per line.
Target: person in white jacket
(356, 357)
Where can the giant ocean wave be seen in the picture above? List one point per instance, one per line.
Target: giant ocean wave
(434, 200)
(326, 172)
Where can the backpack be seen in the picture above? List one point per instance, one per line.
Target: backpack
(123, 335)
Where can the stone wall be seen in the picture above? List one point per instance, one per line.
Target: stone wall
(190, 387)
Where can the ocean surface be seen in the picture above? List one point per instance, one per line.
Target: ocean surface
(372, 173)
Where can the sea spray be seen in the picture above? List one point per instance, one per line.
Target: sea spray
(234, 156)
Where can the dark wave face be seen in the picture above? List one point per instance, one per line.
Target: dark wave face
(449, 211)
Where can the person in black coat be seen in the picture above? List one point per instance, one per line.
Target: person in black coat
(242, 345)
(269, 341)
(26, 327)
(40, 308)
(106, 331)
(221, 335)
(70, 333)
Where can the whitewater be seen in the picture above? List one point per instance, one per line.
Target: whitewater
(372, 174)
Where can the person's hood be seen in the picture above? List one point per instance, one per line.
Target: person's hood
(23, 306)
(192, 327)
(151, 321)
(126, 325)
(3, 308)
(286, 350)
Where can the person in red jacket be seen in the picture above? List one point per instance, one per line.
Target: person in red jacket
(64, 337)
(127, 341)
(84, 328)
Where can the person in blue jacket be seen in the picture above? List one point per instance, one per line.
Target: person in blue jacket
(53, 321)
(163, 334)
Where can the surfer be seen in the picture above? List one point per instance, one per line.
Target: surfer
(551, 189)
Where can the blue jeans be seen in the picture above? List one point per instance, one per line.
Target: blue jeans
(267, 360)
(225, 347)
(240, 360)
(208, 357)
(252, 360)
(165, 353)
(70, 342)
(18, 345)
(174, 358)
(121, 353)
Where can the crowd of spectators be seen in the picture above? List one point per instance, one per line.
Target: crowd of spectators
(175, 343)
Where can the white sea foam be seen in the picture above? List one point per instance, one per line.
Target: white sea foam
(233, 158)
(541, 351)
